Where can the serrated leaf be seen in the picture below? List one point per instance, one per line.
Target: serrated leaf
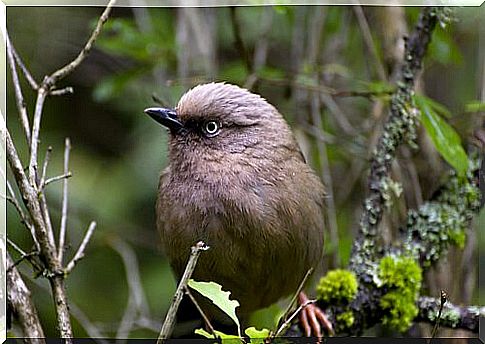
(444, 137)
(220, 298)
(227, 337)
(257, 336)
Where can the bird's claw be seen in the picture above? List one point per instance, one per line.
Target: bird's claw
(312, 318)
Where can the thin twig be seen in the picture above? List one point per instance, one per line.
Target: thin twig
(24, 255)
(168, 324)
(204, 316)
(326, 176)
(369, 41)
(62, 230)
(63, 176)
(62, 91)
(44, 167)
(23, 218)
(67, 69)
(285, 315)
(137, 303)
(34, 143)
(443, 300)
(287, 323)
(22, 109)
(25, 71)
(80, 251)
(29, 195)
(338, 114)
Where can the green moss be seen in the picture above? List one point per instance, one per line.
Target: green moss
(344, 320)
(401, 276)
(451, 316)
(337, 286)
(401, 310)
(400, 272)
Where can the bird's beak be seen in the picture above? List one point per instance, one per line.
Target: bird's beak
(166, 117)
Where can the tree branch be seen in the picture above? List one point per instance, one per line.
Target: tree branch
(452, 316)
(168, 324)
(69, 68)
(18, 298)
(22, 109)
(400, 127)
(80, 251)
(62, 231)
(31, 188)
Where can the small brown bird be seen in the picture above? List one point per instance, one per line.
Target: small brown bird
(237, 180)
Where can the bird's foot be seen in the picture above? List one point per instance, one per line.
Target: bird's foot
(312, 318)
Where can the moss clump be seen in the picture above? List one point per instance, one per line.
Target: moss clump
(401, 276)
(344, 320)
(337, 286)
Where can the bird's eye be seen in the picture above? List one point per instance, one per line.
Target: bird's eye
(211, 128)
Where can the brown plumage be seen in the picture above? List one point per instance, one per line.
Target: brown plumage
(237, 180)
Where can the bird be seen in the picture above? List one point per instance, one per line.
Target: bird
(238, 181)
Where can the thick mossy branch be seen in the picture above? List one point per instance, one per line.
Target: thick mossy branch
(400, 127)
(443, 221)
(464, 317)
(392, 295)
(389, 279)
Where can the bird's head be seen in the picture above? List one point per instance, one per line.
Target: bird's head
(218, 118)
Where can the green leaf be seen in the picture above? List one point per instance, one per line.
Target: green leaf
(220, 334)
(434, 105)
(257, 336)
(220, 298)
(443, 136)
(475, 106)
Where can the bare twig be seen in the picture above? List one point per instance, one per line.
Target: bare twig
(316, 28)
(62, 230)
(80, 251)
(31, 189)
(287, 312)
(169, 322)
(287, 323)
(63, 176)
(44, 167)
(204, 316)
(67, 69)
(369, 41)
(338, 114)
(22, 109)
(34, 143)
(443, 300)
(24, 255)
(137, 304)
(29, 195)
(62, 91)
(22, 306)
(25, 71)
